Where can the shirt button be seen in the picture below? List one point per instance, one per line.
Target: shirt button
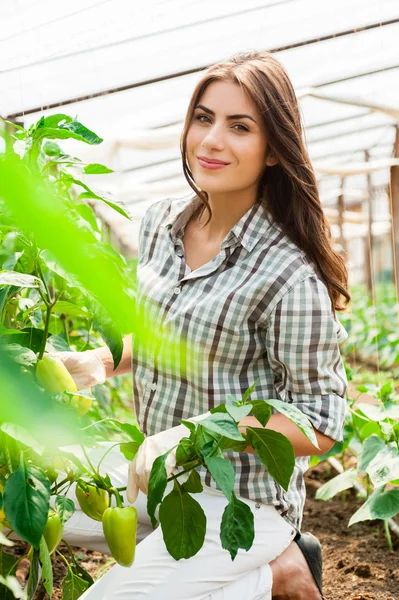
(176, 290)
(153, 386)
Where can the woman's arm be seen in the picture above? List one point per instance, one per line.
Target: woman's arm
(282, 424)
(125, 365)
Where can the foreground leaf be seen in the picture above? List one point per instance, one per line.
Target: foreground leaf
(47, 568)
(275, 451)
(65, 508)
(26, 501)
(237, 527)
(156, 485)
(296, 416)
(183, 523)
(73, 586)
(222, 472)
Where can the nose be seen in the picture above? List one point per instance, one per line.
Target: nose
(214, 137)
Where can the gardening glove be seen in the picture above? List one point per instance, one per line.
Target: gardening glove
(152, 447)
(86, 368)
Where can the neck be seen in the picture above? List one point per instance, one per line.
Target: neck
(227, 210)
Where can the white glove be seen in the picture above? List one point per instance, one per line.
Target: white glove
(86, 368)
(152, 447)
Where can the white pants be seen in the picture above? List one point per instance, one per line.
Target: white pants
(155, 575)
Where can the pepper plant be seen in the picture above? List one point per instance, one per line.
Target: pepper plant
(372, 434)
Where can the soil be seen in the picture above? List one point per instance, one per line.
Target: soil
(357, 564)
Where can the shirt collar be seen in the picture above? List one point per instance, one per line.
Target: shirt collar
(252, 226)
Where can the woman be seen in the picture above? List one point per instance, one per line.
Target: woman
(245, 270)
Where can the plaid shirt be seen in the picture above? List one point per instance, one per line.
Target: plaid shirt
(256, 310)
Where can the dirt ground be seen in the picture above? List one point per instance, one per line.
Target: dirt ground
(357, 562)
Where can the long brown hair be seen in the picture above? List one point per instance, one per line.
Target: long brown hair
(289, 189)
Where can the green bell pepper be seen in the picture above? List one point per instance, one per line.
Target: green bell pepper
(53, 375)
(53, 531)
(119, 526)
(92, 500)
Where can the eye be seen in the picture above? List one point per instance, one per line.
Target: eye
(240, 126)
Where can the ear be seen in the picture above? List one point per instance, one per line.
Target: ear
(271, 161)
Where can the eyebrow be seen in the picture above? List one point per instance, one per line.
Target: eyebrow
(210, 112)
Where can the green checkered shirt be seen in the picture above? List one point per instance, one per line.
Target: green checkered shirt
(255, 311)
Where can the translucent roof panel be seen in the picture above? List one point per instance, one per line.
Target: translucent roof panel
(127, 71)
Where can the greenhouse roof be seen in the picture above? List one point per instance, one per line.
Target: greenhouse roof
(127, 71)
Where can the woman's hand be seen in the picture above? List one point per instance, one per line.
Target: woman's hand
(86, 368)
(152, 447)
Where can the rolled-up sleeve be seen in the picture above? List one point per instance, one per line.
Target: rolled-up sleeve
(302, 339)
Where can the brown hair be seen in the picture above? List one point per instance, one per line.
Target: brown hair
(289, 189)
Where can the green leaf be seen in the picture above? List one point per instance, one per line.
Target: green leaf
(131, 430)
(223, 424)
(183, 523)
(7, 563)
(156, 485)
(249, 391)
(384, 467)
(371, 447)
(297, 417)
(4, 541)
(12, 584)
(222, 472)
(275, 451)
(238, 412)
(116, 207)
(385, 505)
(337, 484)
(51, 148)
(73, 586)
(110, 333)
(96, 169)
(237, 527)
(55, 120)
(184, 451)
(191, 426)
(19, 279)
(193, 483)
(80, 572)
(47, 568)
(21, 355)
(378, 413)
(364, 512)
(261, 411)
(26, 501)
(34, 574)
(71, 310)
(87, 213)
(129, 450)
(65, 508)
(22, 435)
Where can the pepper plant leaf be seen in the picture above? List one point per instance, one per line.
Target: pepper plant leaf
(26, 501)
(275, 451)
(183, 523)
(237, 527)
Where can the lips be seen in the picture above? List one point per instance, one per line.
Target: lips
(212, 161)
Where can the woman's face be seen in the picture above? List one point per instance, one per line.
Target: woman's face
(240, 141)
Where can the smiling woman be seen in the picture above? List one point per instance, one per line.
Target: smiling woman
(258, 306)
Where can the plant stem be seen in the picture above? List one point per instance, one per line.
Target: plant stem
(59, 485)
(388, 534)
(105, 454)
(45, 332)
(183, 472)
(88, 460)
